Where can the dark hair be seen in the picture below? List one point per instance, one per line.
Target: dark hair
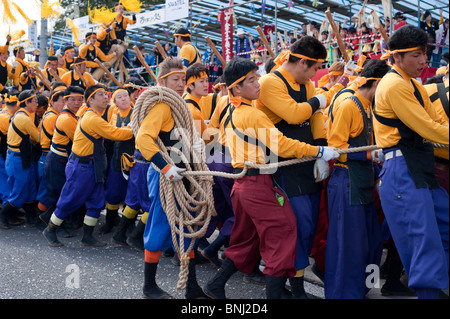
(426, 14)
(52, 58)
(195, 70)
(236, 69)
(374, 68)
(310, 47)
(407, 37)
(73, 89)
(79, 60)
(68, 48)
(90, 89)
(25, 95)
(17, 49)
(269, 65)
(42, 100)
(184, 31)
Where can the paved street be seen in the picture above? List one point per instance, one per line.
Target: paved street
(30, 269)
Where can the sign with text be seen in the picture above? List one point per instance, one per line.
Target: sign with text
(176, 9)
(148, 18)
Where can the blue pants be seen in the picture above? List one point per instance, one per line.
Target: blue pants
(157, 234)
(221, 162)
(42, 189)
(115, 186)
(4, 186)
(353, 241)
(306, 211)
(80, 188)
(54, 168)
(137, 190)
(22, 182)
(418, 219)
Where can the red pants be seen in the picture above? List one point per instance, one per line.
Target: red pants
(262, 227)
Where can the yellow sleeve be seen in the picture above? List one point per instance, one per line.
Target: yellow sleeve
(158, 119)
(102, 56)
(101, 34)
(317, 123)
(127, 21)
(344, 126)
(199, 122)
(66, 77)
(106, 130)
(420, 119)
(27, 126)
(278, 105)
(68, 125)
(82, 51)
(89, 78)
(187, 53)
(17, 74)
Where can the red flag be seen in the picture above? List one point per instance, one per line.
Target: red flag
(226, 17)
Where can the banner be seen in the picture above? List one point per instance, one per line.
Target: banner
(226, 18)
(176, 9)
(148, 18)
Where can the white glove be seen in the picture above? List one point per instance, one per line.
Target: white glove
(323, 100)
(377, 155)
(327, 153)
(321, 170)
(350, 67)
(199, 145)
(172, 173)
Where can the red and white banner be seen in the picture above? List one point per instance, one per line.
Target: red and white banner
(226, 19)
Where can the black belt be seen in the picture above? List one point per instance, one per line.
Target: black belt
(82, 159)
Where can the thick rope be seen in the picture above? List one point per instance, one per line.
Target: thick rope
(188, 211)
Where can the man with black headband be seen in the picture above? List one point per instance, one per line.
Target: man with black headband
(21, 175)
(415, 206)
(188, 52)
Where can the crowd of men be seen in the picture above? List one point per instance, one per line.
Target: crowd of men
(68, 152)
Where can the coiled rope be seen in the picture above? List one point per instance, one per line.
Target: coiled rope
(188, 211)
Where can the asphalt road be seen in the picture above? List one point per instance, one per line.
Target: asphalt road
(30, 269)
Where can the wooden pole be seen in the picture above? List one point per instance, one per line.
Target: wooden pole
(379, 26)
(161, 50)
(280, 37)
(341, 44)
(216, 52)
(142, 60)
(42, 77)
(100, 64)
(54, 74)
(265, 42)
